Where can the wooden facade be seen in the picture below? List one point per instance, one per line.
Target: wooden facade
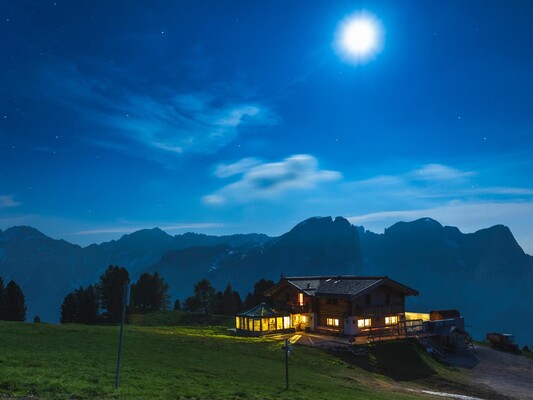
(343, 305)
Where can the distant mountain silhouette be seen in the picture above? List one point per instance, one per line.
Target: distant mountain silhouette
(47, 269)
(486, 275)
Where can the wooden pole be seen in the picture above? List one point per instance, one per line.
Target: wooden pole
(123, 317)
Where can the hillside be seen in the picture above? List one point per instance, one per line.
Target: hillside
(77, 361)
(485, 274)
(48, 269)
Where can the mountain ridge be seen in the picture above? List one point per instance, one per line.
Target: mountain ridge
(451, 269)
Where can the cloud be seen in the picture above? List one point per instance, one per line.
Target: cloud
(240, 167)
(269, 180)
(132, 229)
(162, 120)
(451, 196)
(469, 216)
(8, 201)
(438, 172)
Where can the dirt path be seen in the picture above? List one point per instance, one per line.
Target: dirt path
(508, 374)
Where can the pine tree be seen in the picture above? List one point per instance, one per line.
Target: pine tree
(149, 293)
(110, 291)
(80, 306)
(87, 305)
(205, 294)
(177, 305)
(192, 304)
(14, 303)
(228, 302)
(258, 295)
(69, 309)
(2, 294)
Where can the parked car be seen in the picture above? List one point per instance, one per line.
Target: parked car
(503, 341)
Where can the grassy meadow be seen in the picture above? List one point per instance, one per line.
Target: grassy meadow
(158, 362)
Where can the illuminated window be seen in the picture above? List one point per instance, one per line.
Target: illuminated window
(286, 322)
(364, 323)
(391, 320)
(332, 321)
(257, 325)
(300, 299)
(237, 322)
(304, 319)
(265, 324)
(279, 323)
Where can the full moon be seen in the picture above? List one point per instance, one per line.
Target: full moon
(359, 38)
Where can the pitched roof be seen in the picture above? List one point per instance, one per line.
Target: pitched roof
(261, 310)
(340, 286)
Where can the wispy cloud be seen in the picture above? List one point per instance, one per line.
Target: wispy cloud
(162, 120)
(269, 180)
(439, 172)
(433, 181)
(131, 229)
(237, 168)
(7, 201)
(449, 195)
(469, 216)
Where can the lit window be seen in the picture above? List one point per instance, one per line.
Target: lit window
(304, 319)
(300, 299)
(391, 320)
(286, 322)
(332, 321)
(279, 323)
(363, 323)
(237, 322)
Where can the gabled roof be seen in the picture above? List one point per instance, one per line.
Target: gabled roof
(339, 286)
(342, 286)
(261, 310)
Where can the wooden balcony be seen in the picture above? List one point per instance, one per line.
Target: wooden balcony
(380, 310)
(294, 307)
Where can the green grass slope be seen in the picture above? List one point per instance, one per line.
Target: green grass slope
(78, 362)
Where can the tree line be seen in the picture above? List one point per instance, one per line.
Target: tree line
(12, 302)
(102, 302)
(207, 300)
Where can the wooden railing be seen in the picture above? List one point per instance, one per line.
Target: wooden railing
(401, 329)
(294, 307)
(381, 310)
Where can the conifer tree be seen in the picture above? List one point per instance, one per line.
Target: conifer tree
(203, 298)
(87, 305)
(149, 293)
(69, 309)
(14, 303)
(110, 291)
(2, 291)
(257, 297)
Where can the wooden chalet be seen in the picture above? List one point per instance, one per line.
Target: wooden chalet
(348, 305)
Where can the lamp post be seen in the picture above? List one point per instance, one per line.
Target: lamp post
(287, 348)
(125, 302)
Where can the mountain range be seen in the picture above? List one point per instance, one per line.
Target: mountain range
(486, 275)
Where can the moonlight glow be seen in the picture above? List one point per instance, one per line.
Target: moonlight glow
(359, 38)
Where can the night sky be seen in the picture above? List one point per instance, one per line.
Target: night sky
(242, 116)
